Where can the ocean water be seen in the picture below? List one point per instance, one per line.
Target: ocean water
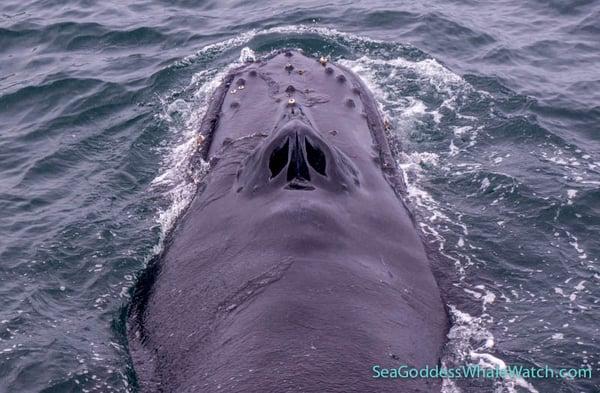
(495, 108)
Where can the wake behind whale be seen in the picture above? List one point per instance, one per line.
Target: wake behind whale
(297, 265)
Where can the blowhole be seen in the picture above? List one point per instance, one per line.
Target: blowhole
(279, 159)
(316, 158)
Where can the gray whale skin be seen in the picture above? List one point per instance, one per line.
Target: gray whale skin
(297, 266)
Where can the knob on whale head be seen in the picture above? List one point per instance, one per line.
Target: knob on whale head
(296, 158)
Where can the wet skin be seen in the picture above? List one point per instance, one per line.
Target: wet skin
(297, 266)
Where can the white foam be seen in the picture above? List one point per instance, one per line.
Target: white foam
(489, 298)
(379, 74)
(459, 131)
(575, 243)
(439, 76)
(570, 195)
(246, 37)
(175, 180)
(559, 291)
(415, 108)
(469, 339)
(573, 297)
(453, 150)
(485, 183)
(247, 55)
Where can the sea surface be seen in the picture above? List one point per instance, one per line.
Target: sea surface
(496, 106)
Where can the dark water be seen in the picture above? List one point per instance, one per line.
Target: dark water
(497, 107)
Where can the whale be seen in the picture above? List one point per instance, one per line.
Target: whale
(298, 265)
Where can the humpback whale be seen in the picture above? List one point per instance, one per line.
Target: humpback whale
(297, 267)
